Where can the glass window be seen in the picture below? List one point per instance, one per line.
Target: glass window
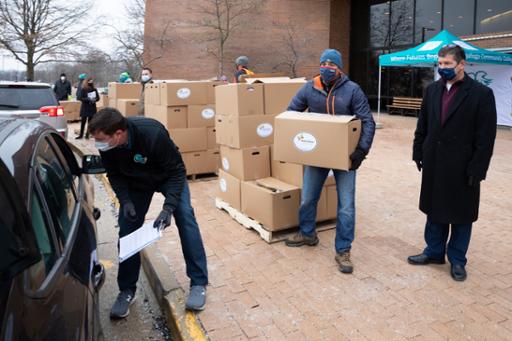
(493, 16)
(39, 271)
(26, 98)
(459, 16)
(401, 31)
(379, 24)
(56, 183)
(428, 19)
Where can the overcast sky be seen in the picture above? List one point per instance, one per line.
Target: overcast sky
(112, 10)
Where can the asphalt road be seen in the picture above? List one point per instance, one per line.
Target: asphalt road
(145, 321)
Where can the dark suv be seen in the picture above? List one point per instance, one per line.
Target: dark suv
(50, 274)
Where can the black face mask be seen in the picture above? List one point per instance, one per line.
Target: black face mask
(90, 84)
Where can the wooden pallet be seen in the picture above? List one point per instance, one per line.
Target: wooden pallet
(202, 177)
(268, 236)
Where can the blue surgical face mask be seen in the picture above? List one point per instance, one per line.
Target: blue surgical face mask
(145, 78)
(447, 73)
(103, 146)
(328, 74)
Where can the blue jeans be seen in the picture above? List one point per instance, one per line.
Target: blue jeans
(190, 236)
(314, 179)
(436, 236)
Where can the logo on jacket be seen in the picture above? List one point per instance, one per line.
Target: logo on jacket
(140, 159)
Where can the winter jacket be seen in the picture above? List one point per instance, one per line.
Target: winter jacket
(62, 90)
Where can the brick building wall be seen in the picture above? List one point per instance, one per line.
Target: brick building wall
(264, 37)
(491, 40)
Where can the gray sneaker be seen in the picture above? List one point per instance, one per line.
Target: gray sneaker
(121, 307)
(196, 298)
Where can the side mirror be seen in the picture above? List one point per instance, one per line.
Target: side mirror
(92, 164)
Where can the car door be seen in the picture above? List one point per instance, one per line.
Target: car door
(54, 290)
(18, 251)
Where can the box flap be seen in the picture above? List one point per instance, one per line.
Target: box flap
(274, 185)
(309, 116)
(267, 80)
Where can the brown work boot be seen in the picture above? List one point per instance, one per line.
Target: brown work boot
(300, 239)
(344, 263)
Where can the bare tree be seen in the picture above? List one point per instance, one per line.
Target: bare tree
(131, 42)
(294, 50)
(41, 31)
(222, 18)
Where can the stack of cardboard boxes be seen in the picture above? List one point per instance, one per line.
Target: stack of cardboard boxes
(187, 110)
(125, 97)
(71, 110)
(249, 181)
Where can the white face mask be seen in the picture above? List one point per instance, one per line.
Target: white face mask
(103, 146)
(63, 79)
(145, 78)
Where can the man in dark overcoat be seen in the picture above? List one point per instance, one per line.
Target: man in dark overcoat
(453, 145)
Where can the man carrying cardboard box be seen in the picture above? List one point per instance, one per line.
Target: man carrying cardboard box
(333, 93)
(141, 159)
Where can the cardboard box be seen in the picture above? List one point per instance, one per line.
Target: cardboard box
(229, 189)
(170, 117)
(152, 94)
(211, 90)
(201, 116)
(112, 102)
(245, 131)
(190, 139)
(316, 139)
(103, 102)
(271, 202)
(202, 162)
(128, 107)
(212, 138)
(124, 90)
(246, 164)
(332, 202)
(278, 92)
(183, 93)
(294, 174)
(71, 109)
(239, 99)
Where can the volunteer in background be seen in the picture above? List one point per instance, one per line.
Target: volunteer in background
(333, 93)
(81, 79)
(62, 88)
(141, 159)
(453, 145)
(146, 77)
(242, 69)
(88, 96)
(125, 78)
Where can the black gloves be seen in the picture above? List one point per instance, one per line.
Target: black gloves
(419, 165)
(164, 219)
(129, 212)
(357, 158)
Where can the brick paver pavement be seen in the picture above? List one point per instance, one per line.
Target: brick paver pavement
(270, 292)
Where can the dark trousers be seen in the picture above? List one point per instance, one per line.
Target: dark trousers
(84, 120)
(190, 236)
(436, 237)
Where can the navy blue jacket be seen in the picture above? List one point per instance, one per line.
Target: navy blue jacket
(344, 98)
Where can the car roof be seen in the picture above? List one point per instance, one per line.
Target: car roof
(18, 139)
(5, 84)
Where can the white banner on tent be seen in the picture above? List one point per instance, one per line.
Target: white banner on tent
(499, 79)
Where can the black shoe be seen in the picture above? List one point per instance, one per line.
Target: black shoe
(423, 259)
(121, 307)
(300, 239)
(78, 137)
(458, 273)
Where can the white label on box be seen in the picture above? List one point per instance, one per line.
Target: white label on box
(183, 93)
(225, 163)
(208, 113)
(331, 173)
(304, 142)
(223, 185)
(265, 130)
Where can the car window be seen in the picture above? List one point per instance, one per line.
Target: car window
(71, 160)
(37, 273)
(57, 186)
(25, 98)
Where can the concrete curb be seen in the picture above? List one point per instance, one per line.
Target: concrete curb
(184, 325)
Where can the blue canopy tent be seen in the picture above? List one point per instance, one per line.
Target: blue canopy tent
(425, 55)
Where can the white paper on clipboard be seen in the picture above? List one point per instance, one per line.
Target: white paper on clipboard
(138, 240)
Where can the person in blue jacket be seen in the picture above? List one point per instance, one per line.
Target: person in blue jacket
(333, 93)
